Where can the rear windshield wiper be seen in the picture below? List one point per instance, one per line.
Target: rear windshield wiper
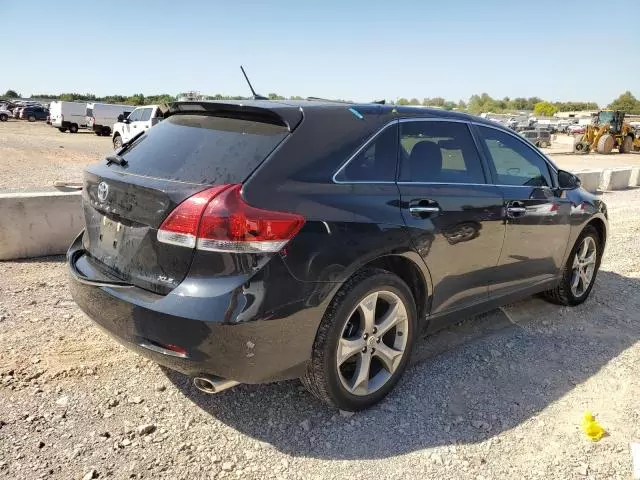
(117, 156)
(117, 159)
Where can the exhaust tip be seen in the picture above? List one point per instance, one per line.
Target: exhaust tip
(212, 384)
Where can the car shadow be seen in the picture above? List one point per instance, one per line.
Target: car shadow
(466, 384)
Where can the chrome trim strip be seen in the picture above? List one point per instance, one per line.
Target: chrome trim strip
(472, 184)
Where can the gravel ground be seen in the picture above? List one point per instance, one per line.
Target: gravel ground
(34, 155)
(495, 397)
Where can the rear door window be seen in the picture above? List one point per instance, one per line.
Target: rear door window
(438, 152)
(514, 161)
(203, 149)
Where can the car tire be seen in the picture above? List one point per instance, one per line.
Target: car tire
(117, 142)
(32, 118)
(4, 117)
(62, 129)
(73, 128)
(341, 380)
(566, 293)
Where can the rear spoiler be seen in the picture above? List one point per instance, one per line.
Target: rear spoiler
(254, 110)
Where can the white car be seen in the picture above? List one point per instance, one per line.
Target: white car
(141, 119)
(5, 114)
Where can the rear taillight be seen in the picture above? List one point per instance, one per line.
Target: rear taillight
(219, 220)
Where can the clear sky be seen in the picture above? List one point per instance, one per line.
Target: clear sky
(352, 49)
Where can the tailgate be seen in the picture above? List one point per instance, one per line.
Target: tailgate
(125, 205)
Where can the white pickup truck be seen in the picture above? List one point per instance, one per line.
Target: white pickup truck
(142, 118)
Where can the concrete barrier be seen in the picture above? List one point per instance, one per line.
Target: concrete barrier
(634, 179)
(590, 180)
(615, 179)
(38, 224)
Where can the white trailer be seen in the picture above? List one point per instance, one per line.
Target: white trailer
(68, 115)
(101, 116)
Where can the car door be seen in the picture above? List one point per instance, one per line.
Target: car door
(536, 217)
(145, 119)
(127, 130)
(453, 215)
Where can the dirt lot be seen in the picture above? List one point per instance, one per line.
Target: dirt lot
(497, 397)
(34, 155)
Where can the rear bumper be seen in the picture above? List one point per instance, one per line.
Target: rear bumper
(235, 331)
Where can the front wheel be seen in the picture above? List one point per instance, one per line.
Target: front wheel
(62, 129)
(117, 142)
(579, 273)
(4, 117)
(32, 118)
(364, 341)
(73, 128)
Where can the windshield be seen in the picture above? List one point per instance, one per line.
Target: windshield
(606, 118)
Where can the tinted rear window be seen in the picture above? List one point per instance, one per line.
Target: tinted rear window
(203, 149)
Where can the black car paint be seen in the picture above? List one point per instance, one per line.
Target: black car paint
(253, 318)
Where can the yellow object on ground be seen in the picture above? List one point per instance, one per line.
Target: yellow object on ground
(592, 428)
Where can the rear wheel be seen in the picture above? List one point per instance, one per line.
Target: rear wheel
(627, 144)
(4, 117)
(579, 273)
(62, 129)
(606, 144)
(364, 341)
(117, 142)
(73, 128)
(32, 118)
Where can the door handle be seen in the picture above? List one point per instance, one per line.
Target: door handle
(516, 210)
(419, 210)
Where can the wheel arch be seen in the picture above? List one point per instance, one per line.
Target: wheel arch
(600, 227)
(415, 275)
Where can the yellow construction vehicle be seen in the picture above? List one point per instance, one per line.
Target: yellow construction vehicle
(607, 131)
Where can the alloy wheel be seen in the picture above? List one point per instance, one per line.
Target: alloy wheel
(584, 266)
(373, 343)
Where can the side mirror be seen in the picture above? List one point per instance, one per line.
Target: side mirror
(567, 181)
(120, 118)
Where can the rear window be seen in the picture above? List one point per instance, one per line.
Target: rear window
(203, 149)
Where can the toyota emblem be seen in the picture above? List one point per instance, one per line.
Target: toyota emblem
(103, 191)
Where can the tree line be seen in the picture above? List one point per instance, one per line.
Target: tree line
(476, 104)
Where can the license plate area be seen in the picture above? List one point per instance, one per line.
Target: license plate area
(110, 234)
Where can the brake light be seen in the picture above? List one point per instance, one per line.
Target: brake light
(219, 220)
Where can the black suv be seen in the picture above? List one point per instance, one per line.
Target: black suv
(259, 241)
